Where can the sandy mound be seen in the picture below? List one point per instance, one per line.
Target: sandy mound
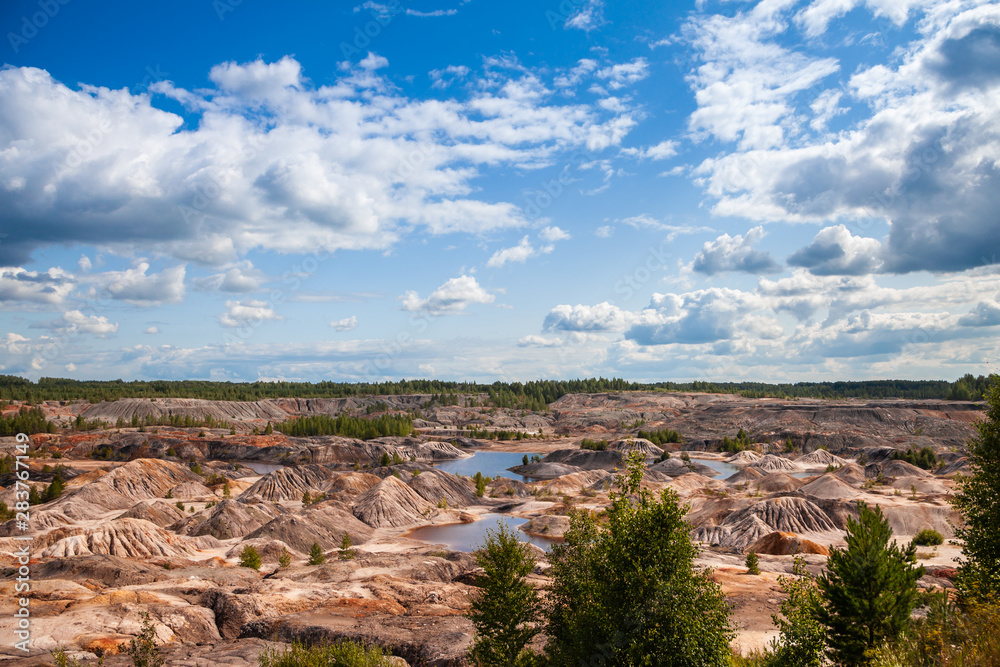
(902, 469)
(677, 466)
(160, 512)
(85, 504)
(786, 544)
(788, 514)
(269, 550)
(921, 484)
(693, 482)
(228, 519)
(572, 484)
(957, 467)
(85, 478)
(851, 473)
(288, 483)
(641, 445)
(820, 459)
(324, 523)
(586, 459)
(778, 482)
(192, 490)
(352, 483)
(390, 503)
(772, 463)
(545, 470)
(909, 520)
(829, 486)
(746, 457)
(504, 487)
(746, 476)
(126, 538)
(433, 485)
(147, 478)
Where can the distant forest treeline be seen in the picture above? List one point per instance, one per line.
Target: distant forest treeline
(529, 395)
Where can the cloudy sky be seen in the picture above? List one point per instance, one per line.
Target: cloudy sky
(237, 190)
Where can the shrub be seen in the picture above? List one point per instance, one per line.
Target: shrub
(594, 445)
(347, 550)
(285, 559)
(142, 648)
(316, 555)
(753, 563)
(250, 557)
(928, 538)
(661, 437)
(924, 458)
(802, 637)
(341, 654)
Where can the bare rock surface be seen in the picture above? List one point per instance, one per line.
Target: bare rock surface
(772, 463)
(820, 459)
(830, 486)
(160, 512)
(787, 544)
(433, 485)
(323, 523)
(125, 538)
(390, 503)
(229, 519)
(288, 483)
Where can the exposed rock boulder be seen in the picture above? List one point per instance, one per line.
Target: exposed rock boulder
(504, 487)
(573, 483)
(674, 467)
(324, 523)
(547, 525)
(230, 518)
(957, 467)
(902, 469)
(126, 538)
(289, 483)
(390, 503)
(787, 544)
(233, 611)
(545, 470)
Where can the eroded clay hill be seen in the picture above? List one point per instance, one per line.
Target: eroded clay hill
(156, 523)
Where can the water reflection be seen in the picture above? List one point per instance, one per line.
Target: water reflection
(725, 470)
(262, 467)
(471, 536)
(491, 464)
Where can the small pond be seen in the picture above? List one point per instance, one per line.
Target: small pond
(262, 467)
(491, 464)
(471, 536)
(802, 475)
(724, 470)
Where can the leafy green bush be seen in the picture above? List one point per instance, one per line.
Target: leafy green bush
(924, 458)
(594, 445)
(928, 538)
(661, 437)
(342, 654)
(143, 649)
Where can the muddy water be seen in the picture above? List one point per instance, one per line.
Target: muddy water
(471, 536)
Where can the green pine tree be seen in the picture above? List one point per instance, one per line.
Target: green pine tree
(506, 611)
(316, 555)
(803, 638)
(978, 576)
(870, 589)
(285, 559)
(753, 563)
(250, 557)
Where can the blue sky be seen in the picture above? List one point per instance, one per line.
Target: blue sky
(777, 190)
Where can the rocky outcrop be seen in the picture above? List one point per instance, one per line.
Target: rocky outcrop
(433, 485)
(820, 459)
(545, 470)
(772, 463)
(586, 459)
(641, 445)
(233, 611)
(324, 523)
(786, 544)
(778, 482)
(788, 514)
(223, 411)
(351, 483)
(147, 478)
(746, 457)
(228, 519)
(160, 512)
(125, 538)
(289, 483)
(391, 503)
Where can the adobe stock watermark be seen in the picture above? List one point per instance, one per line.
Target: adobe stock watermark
(32, 24)
(557, 18)
(364, 34)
